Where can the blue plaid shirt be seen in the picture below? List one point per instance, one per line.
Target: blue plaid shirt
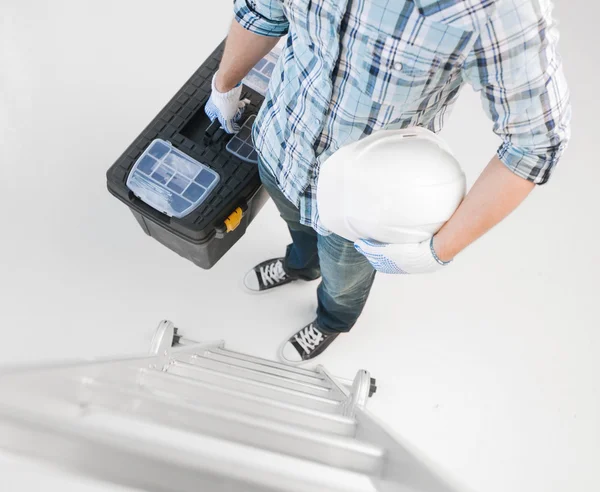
(351, 67)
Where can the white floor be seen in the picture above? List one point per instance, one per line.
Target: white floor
(488, 371)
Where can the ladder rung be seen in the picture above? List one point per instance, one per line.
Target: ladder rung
(194, 373)
(209, 394)
(255, 375)
(114, 448)
(265, 362)
(316, 378)
(340, 452)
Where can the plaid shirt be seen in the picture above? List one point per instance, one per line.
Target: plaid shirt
(351, 67)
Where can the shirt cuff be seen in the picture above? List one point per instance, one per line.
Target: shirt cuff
(248, 16)
(530, 166)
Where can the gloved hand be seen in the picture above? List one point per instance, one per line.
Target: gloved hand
(226, 107)
(400, 258)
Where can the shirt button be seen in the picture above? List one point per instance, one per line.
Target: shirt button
(318, 121)
(398, 66)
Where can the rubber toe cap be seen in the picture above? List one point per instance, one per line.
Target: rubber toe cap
(251, 281)
(289, 354)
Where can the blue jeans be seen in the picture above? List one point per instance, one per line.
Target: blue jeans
(347, 276)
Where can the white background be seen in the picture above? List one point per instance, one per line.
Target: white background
(488, 371)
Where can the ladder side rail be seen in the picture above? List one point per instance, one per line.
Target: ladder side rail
(354, 398)
(402, 469)
(93, 368)
(341, 390)
(36, 377)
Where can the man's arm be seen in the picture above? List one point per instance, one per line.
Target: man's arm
(525, 93)
(256, 29)
(243, 50)
(496, 193)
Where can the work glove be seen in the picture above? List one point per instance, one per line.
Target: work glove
(400, 258)
(226, 107)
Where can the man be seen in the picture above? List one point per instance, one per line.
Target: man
(352, 67)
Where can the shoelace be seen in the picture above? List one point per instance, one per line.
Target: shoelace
(309, 338)
(272, 273)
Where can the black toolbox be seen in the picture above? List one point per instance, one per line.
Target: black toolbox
(209, 231)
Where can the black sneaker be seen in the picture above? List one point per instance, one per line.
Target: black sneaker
(305, 345)
(267, 275)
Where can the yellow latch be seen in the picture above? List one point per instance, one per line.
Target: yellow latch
(234, 219)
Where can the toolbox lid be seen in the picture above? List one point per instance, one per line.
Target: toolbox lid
(241, 144)
(169, 180)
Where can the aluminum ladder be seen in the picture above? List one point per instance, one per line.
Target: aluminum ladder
(193, 417)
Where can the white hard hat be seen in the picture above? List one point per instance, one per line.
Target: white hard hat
(395, 186)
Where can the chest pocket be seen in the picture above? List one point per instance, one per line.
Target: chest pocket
(397, 72)
(417, 63)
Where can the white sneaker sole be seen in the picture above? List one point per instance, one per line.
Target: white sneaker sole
(287, 362)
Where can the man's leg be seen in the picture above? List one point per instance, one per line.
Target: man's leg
(302, 257)
(347, 274)
(301, 260)
(347, 280)
(342, 295)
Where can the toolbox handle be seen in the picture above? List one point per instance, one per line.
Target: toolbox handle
(213, 133)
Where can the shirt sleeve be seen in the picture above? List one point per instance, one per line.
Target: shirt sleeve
(263, 17)
(516, 67)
